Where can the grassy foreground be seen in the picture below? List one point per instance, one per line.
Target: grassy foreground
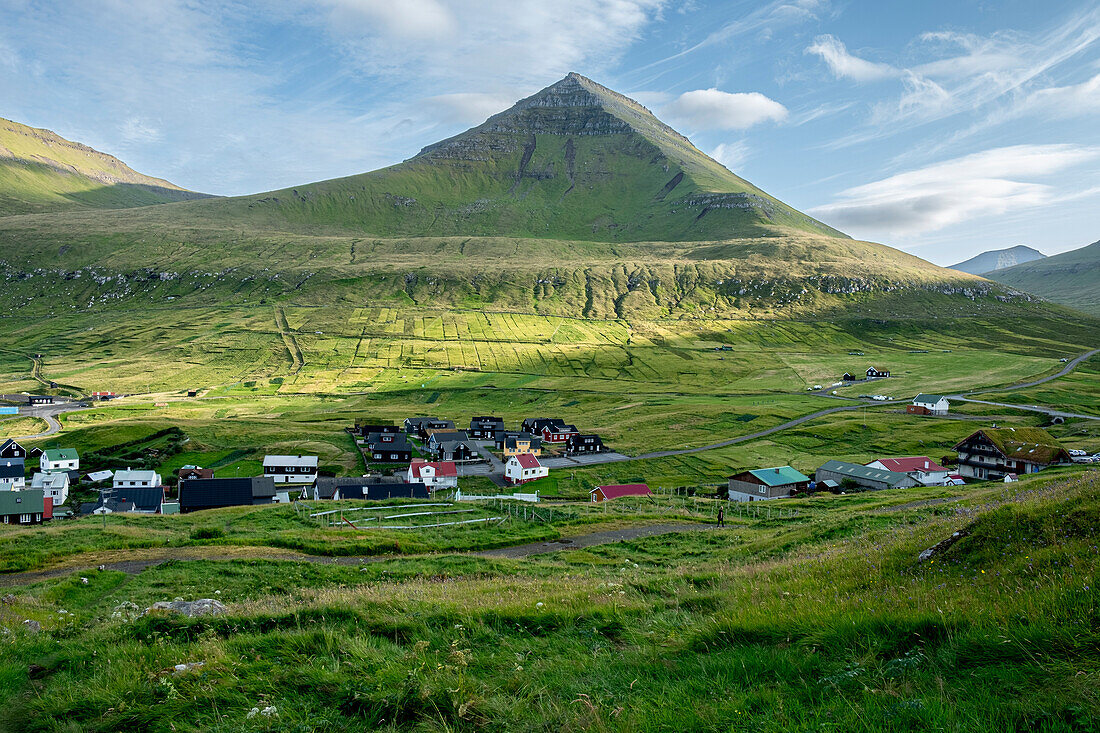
(823, 620)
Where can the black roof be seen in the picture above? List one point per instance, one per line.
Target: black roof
(143, 498)
(12, 468)
(396, 440)
(205, 493)
(366, 489)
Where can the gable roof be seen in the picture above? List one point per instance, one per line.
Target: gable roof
(779, 476)
(1026, 444)
(371, 490)
(60, 454)
(526, 460)
(614, 491)
(52, 481)
(306, 461)
(28, 501)
(130, 475)
(442, 468)
(100, 475)
(217, 492)
(198, 471)
(137, 498)
(12, 468)
(913, 463)
(389, 440)
(927, 399)
(856, 471)
(8, 443)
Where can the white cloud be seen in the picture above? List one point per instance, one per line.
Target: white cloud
(931, 198)
(137, 130)
(1064, 102)
(404, 19)
(467, 107)
(845, 65)
(711, 109)
(731, 155)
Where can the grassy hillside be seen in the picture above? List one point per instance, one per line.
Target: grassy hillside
(1071, 278)
(41, 171)
(816, 618)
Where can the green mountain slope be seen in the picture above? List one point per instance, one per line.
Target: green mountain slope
(1071, 278)
(41, 171)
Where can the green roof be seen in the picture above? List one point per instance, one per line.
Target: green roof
(60, 454)
(856, 471)
(28, 501)
(1027, 444)
(779, 476)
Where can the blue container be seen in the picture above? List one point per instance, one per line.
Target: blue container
(9, 410)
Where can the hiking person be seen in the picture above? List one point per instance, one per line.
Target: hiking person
(721, 516)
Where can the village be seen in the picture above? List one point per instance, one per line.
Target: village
(427, 457)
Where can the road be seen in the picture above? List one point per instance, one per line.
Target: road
(49, 413)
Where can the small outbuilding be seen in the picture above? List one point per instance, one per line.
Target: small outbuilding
(760, 484)
(617, 491)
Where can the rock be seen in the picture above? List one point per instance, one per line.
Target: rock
(8, 599)
(32, 626)
(201, 607)
(185, 667)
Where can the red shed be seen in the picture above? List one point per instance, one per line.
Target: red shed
(614, 491)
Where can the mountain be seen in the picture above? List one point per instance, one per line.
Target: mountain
(1071, 278)
(41, 171)
(576, 201)
(574, 161)
(998, 259)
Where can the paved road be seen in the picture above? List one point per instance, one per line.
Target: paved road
(1069, 367)
(49, 413)
(1029, 408)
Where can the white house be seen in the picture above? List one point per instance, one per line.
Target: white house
(433, 474)
(935, 404)
(921, 468)
(59, 459)
(53, 485)
(136, 479)
(12, 474)
(291, 469)
(524, 467)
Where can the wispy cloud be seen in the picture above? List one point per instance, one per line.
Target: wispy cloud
(713, 109)
(846, 66)
(936, 196)
(732, 155)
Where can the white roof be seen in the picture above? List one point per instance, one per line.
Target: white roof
(143, 476)
(309, 461)
(50, 481)
(100, 475)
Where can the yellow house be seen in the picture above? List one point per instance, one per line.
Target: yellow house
(525, 444)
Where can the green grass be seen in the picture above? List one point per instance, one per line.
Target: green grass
(819, 621)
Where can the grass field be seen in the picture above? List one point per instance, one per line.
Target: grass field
(819, 619)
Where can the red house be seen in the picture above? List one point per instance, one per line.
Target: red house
(558, 433)
(615, 491)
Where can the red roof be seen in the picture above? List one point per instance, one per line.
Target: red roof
(915, 463)
(614, 491)
(442, 468)
(526, 460)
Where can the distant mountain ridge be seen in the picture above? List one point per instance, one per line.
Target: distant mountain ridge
(998, 259)
(40, 171)
(1071, 278)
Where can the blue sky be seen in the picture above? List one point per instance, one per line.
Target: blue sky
(941, 128)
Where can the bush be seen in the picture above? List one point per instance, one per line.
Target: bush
(207, 533)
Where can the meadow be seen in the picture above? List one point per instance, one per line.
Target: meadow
(817, 619)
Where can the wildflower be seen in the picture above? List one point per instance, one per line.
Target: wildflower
(252, 713)
(269, 711)
(540, 604)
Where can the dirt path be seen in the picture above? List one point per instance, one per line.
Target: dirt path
(149, 558)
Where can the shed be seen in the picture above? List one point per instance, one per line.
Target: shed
(617, 491)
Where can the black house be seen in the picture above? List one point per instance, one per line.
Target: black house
(10, 449)
(212, 493)
(366, 429)
(389, 447)
(370, 488)
(485, 428)
(40, 400)
(584, 444)
(848, 377)
(534, 425)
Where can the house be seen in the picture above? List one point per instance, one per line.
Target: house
(928, 404)
(485, 428)
(436, 437)
(559, 432)
(435, 475)
(54, 485)
(922, 469)
(767, 483)
(94, 477)
(10, 449)
(59, 459)
(873, 373)
(291, 469)
(40, 399)
(848, 377)
(389, 447)
(369, 488)
(511, 443)
(211, 493)
(136, 479)
(1011, 478)
(456, 450)
(421, 425)
(13, 474)
(22, 507)
(365, 428)
(853, 475)
(191, 473)
(616, 491)
(129, 500)
(993, 453)
(524, 467)
(584, 444)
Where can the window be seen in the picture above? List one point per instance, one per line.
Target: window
(763, 489)
(24, 518)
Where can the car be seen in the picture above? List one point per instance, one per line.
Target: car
(817, 386)
(879, 397)
(1064, 361)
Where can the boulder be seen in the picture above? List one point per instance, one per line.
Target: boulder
(201, 607)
